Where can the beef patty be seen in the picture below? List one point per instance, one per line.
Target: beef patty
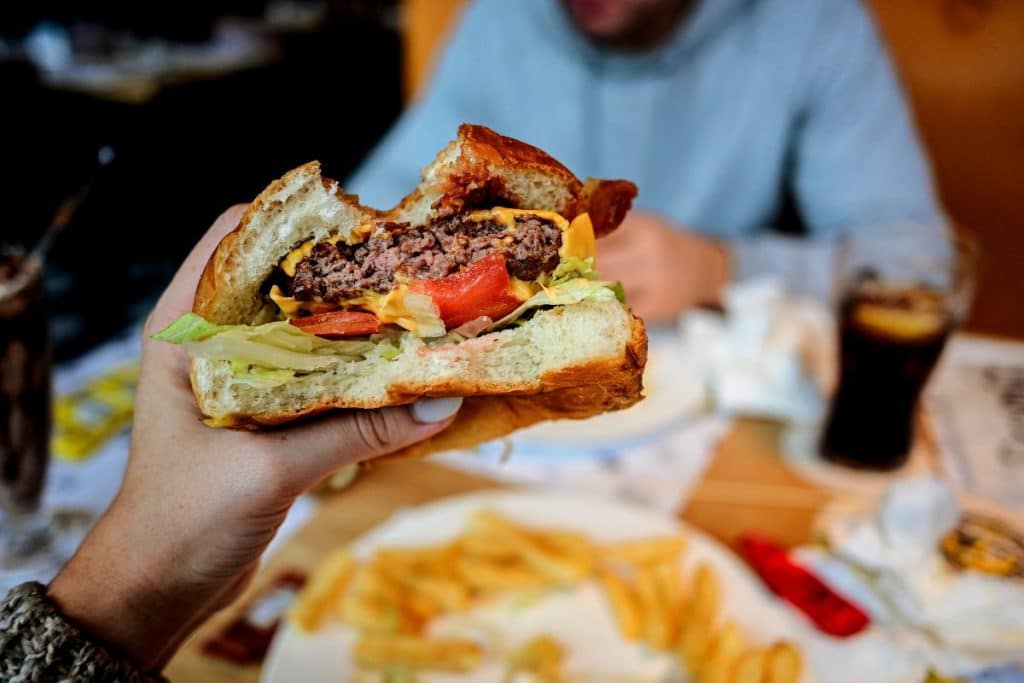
(336, 272)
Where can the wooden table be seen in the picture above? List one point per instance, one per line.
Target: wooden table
(747, 486)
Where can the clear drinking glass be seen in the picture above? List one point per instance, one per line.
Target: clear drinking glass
(902, 289)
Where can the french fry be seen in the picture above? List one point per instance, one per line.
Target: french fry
(450, 594)
(375, 616)
(705, 596)
(698, 617)
(693, 643)
(542, 657)
(565, 542)
(370, 582)
(624, 604)
(654, 610)
(418, 653)
(646, 551)
(725, 648)
(481, 545)
(783, 664)
(486, 575)
(420, 607)
(670, 582)
(323, 591)
(670, 587)
(573, 549)
(557, 567)
(426, 556)
(750, 667)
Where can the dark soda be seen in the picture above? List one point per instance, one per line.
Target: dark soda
(889, 342)
(24, 384)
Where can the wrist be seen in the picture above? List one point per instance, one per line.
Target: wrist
(111, 591)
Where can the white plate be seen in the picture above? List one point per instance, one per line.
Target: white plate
(579, 618)
(672, 391)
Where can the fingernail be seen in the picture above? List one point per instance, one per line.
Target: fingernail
(435, 409)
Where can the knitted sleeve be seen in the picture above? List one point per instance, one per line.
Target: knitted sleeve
(37, 643)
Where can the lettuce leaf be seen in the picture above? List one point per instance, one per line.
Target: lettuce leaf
(620, 291)
(571, 292)
(570, 268)
(574, 267)
(189, 327)
(271, 346)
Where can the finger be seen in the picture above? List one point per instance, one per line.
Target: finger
(177, 298)
(318, 448)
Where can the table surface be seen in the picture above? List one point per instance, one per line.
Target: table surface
(747, 485)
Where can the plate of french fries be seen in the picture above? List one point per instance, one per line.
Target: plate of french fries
(534, 587)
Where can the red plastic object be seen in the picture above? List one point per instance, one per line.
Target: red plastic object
(831, 613)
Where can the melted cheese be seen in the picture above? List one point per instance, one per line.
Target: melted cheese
(507, 217)
(392, 308)
(578, 239)
(388, 307)
(577, 236)
(523, 290)
(289, 305)
(303, 251)
(359, 233)
(296, 255)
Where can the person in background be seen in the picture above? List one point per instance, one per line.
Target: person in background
(719, 110)
(195, 512)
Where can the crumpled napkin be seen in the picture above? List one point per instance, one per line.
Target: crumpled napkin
(888, 561)
(768, 355)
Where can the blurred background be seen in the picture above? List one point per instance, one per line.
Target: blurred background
(202, 103)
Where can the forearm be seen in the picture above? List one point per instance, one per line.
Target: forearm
(127, 605)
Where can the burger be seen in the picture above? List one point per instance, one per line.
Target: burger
(482, 283)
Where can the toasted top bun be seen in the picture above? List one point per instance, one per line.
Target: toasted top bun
(571, 361)
(479, 169)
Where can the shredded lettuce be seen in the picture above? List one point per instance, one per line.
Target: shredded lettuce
(571, 292)
(386, 349)
(423, 317)
(269, 354)
(570, 268)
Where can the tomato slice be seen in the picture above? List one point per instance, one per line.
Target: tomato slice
(335, 324)
(483, 288)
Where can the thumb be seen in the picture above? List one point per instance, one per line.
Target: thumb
(321, 447)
